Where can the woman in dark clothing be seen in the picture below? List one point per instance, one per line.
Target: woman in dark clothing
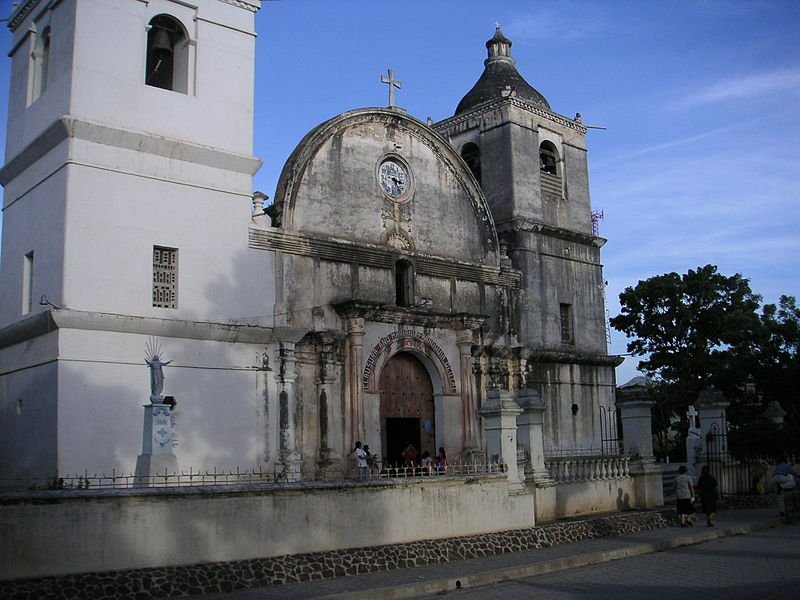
(707, 485)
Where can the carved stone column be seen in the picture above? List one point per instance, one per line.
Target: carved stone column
(469, 417)
(287, 377)
(500, 423)
(355, 354)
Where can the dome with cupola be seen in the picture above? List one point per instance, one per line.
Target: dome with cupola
(500, 78)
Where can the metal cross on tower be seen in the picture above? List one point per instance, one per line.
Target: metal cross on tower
(393, 83)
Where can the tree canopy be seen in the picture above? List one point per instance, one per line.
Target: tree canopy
(705, 329)
(690, 327)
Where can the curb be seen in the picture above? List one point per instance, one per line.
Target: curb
(451, 584)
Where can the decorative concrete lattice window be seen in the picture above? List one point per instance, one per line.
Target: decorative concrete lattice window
(165, 277)
(566, 323)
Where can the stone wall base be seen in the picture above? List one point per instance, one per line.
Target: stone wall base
(166, 582)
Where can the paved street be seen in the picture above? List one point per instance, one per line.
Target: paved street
(762, 564)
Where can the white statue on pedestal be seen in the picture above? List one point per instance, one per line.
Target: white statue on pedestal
(156, 371)
(157, 459)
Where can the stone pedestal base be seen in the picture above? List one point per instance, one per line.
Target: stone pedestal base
(150, 466)
(544, 503)
(648, 478)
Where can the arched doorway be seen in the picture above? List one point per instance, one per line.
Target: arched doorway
(407, 407)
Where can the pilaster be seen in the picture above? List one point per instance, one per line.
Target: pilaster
(464, 341)
(287, 378)
(355, 397)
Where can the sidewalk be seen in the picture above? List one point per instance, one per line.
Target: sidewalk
(435, 579)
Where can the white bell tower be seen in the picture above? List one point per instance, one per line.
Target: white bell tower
(128, 191)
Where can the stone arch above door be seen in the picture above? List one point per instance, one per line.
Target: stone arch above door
(420, 345)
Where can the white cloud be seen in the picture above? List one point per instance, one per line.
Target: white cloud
(750, 86)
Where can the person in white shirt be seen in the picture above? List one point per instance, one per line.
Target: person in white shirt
(361, 460)
(684, 492)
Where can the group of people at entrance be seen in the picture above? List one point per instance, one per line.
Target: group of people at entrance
(428, 465)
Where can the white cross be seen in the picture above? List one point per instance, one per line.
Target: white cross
(392, 84)
(691, 414)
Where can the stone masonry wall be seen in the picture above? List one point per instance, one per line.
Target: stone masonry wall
(168, 582)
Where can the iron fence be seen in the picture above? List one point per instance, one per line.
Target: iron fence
(610, 427)
(276, 477)
(736, 476)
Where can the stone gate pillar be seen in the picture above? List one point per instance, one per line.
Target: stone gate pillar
(711, 406)
(635, 408)
(500, 424)
(530, 429)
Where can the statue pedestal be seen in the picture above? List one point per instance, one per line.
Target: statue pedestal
(158, 438)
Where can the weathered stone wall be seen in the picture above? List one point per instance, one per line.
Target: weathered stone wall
(60, 533)
(162, 582)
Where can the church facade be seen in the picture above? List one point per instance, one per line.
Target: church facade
(410, 282)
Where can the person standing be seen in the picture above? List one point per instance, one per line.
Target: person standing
(684, 491)
(785, 483)
(441, 461)
(361, 460)
(709, 494)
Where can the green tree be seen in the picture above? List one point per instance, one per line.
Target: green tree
(694, 330)
(776, 364)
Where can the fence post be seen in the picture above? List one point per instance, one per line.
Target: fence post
(635, 408)
(500, 423)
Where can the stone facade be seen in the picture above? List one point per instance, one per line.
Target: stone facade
(410, 283)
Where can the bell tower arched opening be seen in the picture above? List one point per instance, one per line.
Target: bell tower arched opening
(407, 408)
(167, 54)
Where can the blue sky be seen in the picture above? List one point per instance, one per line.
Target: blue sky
(699, 163)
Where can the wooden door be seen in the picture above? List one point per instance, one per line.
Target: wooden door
(407, 408)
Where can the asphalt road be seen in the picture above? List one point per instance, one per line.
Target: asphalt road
(764, 564)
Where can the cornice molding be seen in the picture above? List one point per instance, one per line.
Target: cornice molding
(22, 11)
(551, 231)
(251, 5)
(63, 318)
(140, 141)
(489, 105)
(379, 257)
(419, 317)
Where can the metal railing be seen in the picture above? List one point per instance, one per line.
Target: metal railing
(276, 477)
